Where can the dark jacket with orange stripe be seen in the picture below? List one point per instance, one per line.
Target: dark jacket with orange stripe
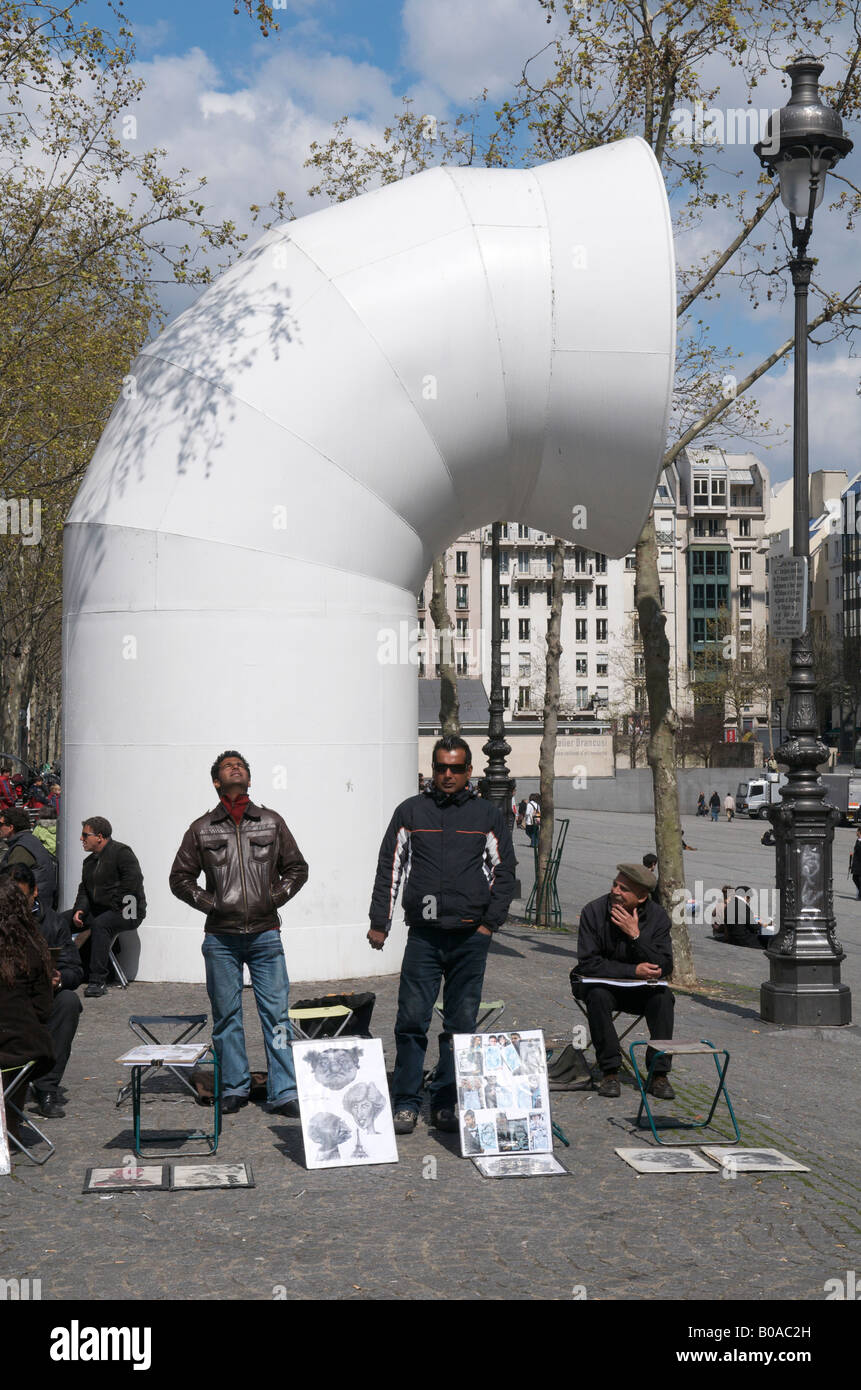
(456, 859)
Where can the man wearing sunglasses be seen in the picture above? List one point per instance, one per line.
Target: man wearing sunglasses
(454, 853)
(110, 897)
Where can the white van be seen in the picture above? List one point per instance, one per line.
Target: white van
(753, 798)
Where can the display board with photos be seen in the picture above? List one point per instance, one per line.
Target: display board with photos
(502, 1093)
(344, 1102)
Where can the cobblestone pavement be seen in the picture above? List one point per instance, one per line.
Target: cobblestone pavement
(430, 1227)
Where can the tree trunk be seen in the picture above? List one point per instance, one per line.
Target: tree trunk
(449, 709)
(547, 755)
(661, 752)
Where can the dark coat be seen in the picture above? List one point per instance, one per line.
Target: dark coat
(606, 952)
(456, 855)
(27, 848)
(24, 1007)
(56, 932)
(112, 881)
(856, 857)
(251, 869)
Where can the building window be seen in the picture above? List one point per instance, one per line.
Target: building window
(600, 563)
(503, 595)
(503, 530)
(639, 665)
(699, 628)
(600, 595)
(421, 625)
(744, 562)
(421, 666)
(601, 666)
(461, 595)
(698, 595)
(744, 526)
(744, 661)
(636, 625)
(601, 629)
(523, 629)
(603, 694)
(525, 664)
(506, 693)
(718, 492)
(524, 697)
(582, 696)
(421, 598)
(523, 595)
(523, 533)
(462, 664)
(548, 559)
(581, 665)
(549, 587)
(462, 628)
(744, 596)
(579, 561)
(523, 561)
(701, 492)
(503, 623)
(631, 561)
(661, 594)
(639, 697)
(580, 634)
(580, 593)
(460, 561)
(505, 662)
(503, 561)
(745, 632)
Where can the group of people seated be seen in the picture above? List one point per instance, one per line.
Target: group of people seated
(40, 793)
(41, 965)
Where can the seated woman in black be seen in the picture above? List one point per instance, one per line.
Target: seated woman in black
(26, 993)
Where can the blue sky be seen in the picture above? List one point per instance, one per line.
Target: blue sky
(224, 101)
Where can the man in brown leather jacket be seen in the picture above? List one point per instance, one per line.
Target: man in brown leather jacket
(252, 866)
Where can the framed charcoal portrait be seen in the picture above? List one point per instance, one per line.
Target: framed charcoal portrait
(195, 1177)
(344, 1102)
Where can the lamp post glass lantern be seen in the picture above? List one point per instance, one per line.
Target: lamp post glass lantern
(804, 958)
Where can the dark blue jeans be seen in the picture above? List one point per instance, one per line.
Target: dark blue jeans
(263, 953)
(433, 955)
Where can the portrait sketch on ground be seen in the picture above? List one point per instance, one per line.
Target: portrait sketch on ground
(735, 1160)
(5, 1158)
(666, 1161)
(520, 1166)
(344, 1102)
(194, 1176)
(131, 1177)
(503, 1100)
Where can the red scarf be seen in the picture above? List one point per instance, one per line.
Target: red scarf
(237, 807)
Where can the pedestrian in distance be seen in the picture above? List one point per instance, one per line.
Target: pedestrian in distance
(855, 862)
(729, 806)
(453, 851)
(701, 804)
(714, 805)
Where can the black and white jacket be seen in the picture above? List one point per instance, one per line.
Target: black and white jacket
(457, 861)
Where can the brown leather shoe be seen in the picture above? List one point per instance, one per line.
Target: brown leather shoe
(609, 1085)
(661, 1088)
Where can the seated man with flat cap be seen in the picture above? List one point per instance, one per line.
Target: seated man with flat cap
(625, 936)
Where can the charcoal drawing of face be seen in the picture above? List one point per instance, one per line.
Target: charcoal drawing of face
(328, 1131)
(336, 1067)
(364, 1102)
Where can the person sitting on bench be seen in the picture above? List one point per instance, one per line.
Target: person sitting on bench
(67, 972)
(625, 936)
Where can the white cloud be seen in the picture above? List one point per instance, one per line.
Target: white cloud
(224, 104)
(463, 46)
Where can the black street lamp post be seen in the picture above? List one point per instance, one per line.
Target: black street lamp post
(496, 784)
(804, 958)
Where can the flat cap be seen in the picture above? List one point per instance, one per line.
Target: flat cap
(639, 874)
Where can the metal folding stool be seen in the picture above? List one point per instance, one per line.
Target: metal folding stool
(668, 1048)
(141, 1025)
(182, 1136)
(303, 1021)
(21, 1079)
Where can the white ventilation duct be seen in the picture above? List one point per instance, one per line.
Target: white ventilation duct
(287, 458)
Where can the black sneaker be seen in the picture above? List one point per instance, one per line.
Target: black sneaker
(405, 1121)
(445, 1120)
(231, 1104)
(661, 1088)
(609, 1085)
(290, 1108)
(94, 990)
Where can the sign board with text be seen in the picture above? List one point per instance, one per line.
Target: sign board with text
(787, 613)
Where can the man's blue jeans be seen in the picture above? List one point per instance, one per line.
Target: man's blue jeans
(264, 955)
(433, 954)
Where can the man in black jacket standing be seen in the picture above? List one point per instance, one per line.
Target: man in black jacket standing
(625, 936)
(110, 897)
(67, 974)
(455, 853)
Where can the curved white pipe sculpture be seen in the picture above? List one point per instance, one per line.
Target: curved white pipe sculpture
(288, 456)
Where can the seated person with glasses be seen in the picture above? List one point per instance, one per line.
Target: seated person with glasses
(110, 897)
